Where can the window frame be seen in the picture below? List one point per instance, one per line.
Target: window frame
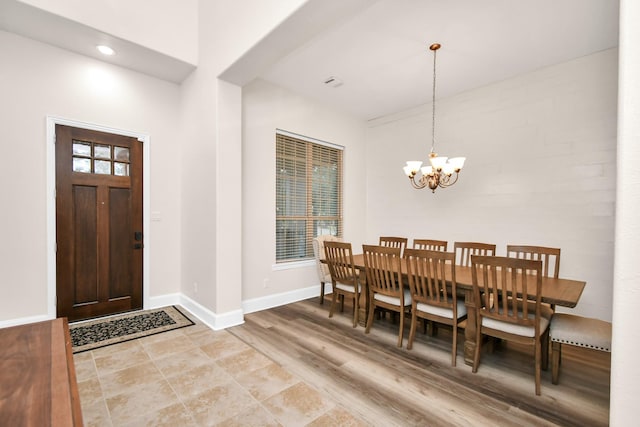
(310, 219)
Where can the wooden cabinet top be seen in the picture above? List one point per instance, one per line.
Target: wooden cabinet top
(37, 376)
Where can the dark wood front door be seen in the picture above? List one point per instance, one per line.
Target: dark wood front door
(98, 223)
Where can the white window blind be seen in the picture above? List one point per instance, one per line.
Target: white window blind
(308, 194)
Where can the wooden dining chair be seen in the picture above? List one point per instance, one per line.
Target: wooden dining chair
(430, 244)
(345, 278)
(512, 318)
(384, 279)
(322, 269)
(432, 281)
(550, 258)
(394, 242)
(464, 251)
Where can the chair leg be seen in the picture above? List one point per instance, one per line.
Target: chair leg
(356, 297)
(433, 328)
(491, 344)
(454, 344)
(334, 296)
(321, 293)
(372, 308)
(545, 350)
(555, 361)
(401, 332)
(342, 303)
(414, 321)
(538, 363)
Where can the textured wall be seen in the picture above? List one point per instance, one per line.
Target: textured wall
(541, 169)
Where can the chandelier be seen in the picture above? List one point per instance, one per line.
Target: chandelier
(441, 171)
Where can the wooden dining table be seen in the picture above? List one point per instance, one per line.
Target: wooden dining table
(561, 292)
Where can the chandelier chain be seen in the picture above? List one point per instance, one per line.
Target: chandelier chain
(433, 104)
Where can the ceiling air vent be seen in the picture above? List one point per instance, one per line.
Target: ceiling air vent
(333, 81)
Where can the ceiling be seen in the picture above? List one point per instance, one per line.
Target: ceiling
(37, 24)
(382, 57)
(377, 48)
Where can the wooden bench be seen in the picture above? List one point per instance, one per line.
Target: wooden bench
(577, 331)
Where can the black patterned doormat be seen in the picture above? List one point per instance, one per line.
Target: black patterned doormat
(92, 334)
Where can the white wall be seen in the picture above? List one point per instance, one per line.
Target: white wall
(212, 206)
(625, 370)
(37, 80)
(267, 107)
(541, 170)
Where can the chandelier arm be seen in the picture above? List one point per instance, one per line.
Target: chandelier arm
(417, 185)
(448, 182)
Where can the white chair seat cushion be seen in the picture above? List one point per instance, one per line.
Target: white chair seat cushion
(442, 311)
(394, 300)
(348, 288)
(512, 328)
(581, 331)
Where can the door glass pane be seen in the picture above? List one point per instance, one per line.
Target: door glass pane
(120, 169)
(102, 167)
(102, 151)
(81, 149)
(81, 165)
(121, 153)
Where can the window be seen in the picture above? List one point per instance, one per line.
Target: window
(90, 157)
(308, 194)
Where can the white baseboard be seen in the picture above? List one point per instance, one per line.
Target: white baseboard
(270, 301)
(236, 317)
(164, 300)
(206, 316)
(211, 319)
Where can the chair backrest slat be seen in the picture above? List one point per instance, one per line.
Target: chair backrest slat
(550, 257)
(431, 276)
(339, 258)
(393, 242)
(507, 289)
(464, 251)
(383, 270)
(430, 244)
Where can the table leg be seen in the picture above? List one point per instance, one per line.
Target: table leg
(470, 329)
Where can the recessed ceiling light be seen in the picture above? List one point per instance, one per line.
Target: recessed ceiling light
(105, 50)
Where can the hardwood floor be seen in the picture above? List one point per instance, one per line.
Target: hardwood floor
(386, 385)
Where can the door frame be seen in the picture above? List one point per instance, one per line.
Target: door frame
(52, 121)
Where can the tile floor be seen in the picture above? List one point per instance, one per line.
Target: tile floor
(195, 376)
